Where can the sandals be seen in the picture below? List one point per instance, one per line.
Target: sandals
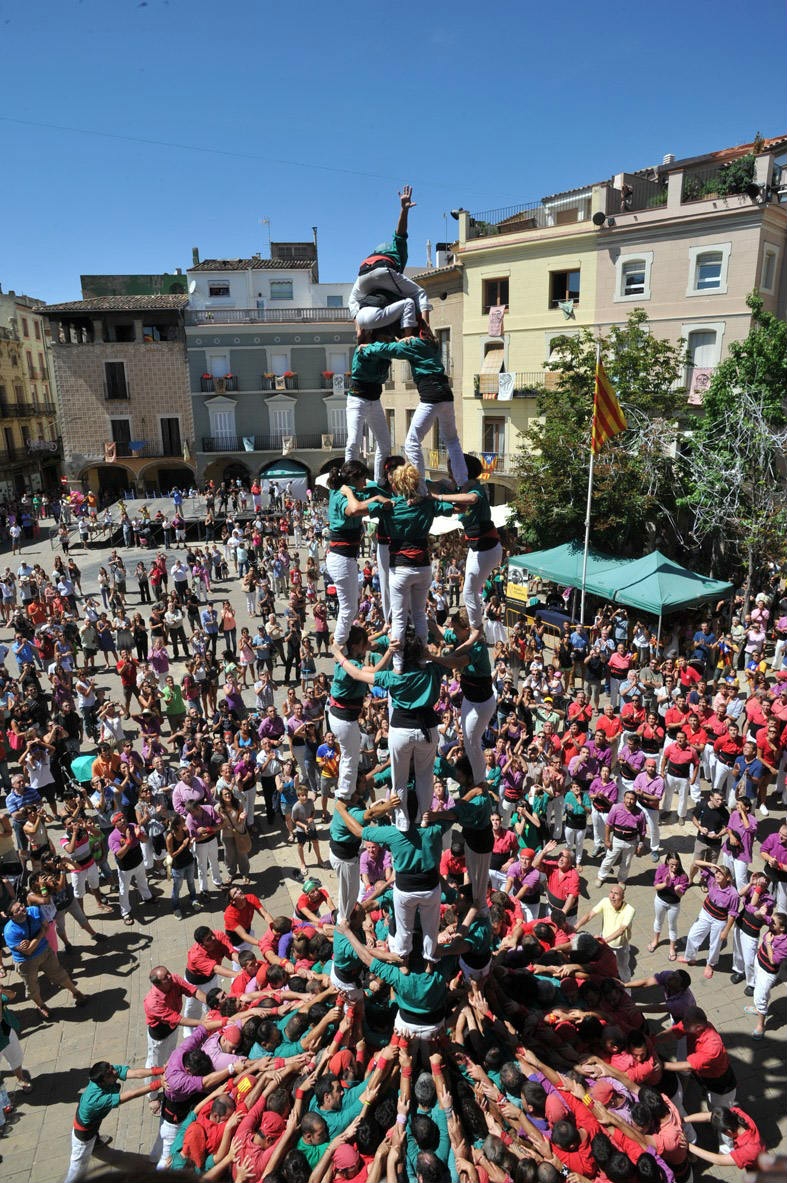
(127, 920)
(672, 957)
(653, 946)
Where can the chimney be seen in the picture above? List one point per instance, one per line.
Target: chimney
(429, 253)
(669, 158)
(195, 255)
(178, 270)
(316, 256)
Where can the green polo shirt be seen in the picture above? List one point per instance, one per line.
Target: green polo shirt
(424, 358)
(412, 690)
(97, 1101)
(339, 1119)
(347, 689)
(414, 850)
(421, 993)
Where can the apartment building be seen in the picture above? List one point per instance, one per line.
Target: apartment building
(30, 445)
(269, 353)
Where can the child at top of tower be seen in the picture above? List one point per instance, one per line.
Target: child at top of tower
(382, 294)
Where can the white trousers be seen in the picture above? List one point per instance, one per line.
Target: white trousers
(478, 875)
(348, 879)
(408, 587)
(476, 717)
(744, 954)
(739, 869)
(679, 785)
(575, 842)
(343, 570)
(424, 417)
(408, 744)
(408, 905)
(763, 984)
(400, 310)
(705, 926)
(159, 1050)
(623, 958)
(383, 569)
(366, 411)
(207, 856)
(670, 912)
(599, 821)
(192, 1007)
(348, 737)
(621, 852)
(556, 807)
(136, 877)
(722, 777)
(652, 822)
(81, 1153)
(478, 567)
(167, 1134)
(779, 892)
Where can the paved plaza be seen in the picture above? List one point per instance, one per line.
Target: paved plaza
(114, 975)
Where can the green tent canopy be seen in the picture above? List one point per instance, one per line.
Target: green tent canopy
(563, 564)
(657, 585)
(653, 584)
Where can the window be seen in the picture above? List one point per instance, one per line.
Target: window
(634, 278)
(31, 370)
(280, 363)
(25, 329)
(494, 435)
(217, 291)
(115, 385)
(390, 422)
(337, 424)
(222, 424)
(409, 416)
(8, 436)
(333, 302)
(444, 341)
(121, 435)
(770, 259)
(124, 333)
(337, 361)
(282, 418)
(170, 437)
(41, 367)
(563, 286)
(708, 268)
(37, 327)
(707, 276)
(495, 292)
(281, 289)
(217, 363)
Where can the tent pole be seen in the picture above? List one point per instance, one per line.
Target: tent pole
(658, 636)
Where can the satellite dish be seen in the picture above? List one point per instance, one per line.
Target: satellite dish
(192, 287)
(599, 219)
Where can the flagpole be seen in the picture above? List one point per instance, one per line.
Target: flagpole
(590, 497)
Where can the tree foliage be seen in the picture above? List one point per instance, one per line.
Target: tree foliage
(733, 472)
(633, 492)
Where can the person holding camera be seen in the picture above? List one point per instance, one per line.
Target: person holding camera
(77, 850)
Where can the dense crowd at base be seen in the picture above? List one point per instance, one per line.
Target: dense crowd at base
(447, 1015)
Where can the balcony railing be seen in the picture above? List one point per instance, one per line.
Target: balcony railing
(220, 385)
(724, 180)
(535, 215)
(640, 194)
(268, 382)
(316, 441)
(437, 458)
(233, 316)
(17, 410)
(526, 385)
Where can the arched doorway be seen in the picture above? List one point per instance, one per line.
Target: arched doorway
(165, 478)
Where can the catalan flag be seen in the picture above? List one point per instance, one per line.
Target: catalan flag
(608, 418)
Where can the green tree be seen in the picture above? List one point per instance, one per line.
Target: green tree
(633, 483)
(733, 471)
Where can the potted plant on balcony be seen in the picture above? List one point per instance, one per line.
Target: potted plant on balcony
(230, 381)
(327, 379)
(206, 382)
(268, 381)
(290, 380)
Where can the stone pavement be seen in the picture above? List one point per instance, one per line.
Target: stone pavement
(58, 1054)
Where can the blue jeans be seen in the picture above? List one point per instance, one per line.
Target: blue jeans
(178, 875)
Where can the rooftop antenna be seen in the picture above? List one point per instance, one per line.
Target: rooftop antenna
(267, 222)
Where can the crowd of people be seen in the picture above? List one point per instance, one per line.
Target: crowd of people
(466, 1004)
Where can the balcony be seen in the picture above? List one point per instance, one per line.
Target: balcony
(17, 410)
(500, 462)
(210, 385)
(526, 385)
(315, 441)
(537, 215)
(273, 382)
(252, 316)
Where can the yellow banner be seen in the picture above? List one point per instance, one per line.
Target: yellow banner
(517, 591)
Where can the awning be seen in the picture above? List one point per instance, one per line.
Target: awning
(493, 361)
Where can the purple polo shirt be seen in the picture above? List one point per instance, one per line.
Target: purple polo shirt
(183, 793)
(654, 787)
(745, 837)
(609, 790)
(676, 1004)
(271, 728)
(180, 1084)
(630, 762)
(602, 756)
(530, 879)
(621, 818)
(726, 898)
(774, 846)
(584, 771)
(207, 817)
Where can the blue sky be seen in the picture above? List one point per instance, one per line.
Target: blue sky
(214, 116)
